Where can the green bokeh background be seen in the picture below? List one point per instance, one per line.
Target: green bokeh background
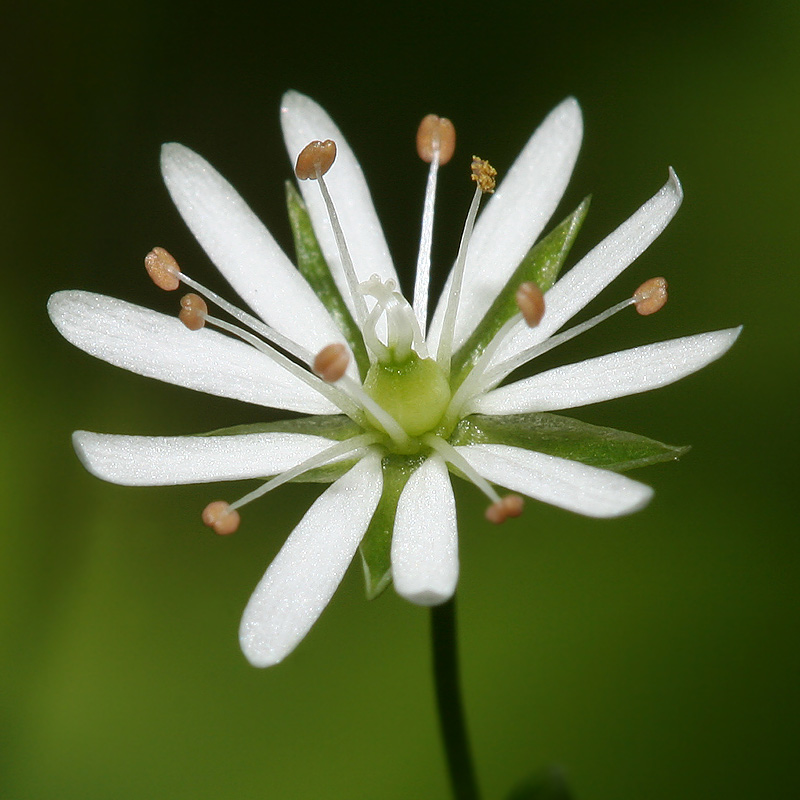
(653, 657)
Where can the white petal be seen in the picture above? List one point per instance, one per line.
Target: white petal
(244, 250)
(304, 121)
(425, 538)
(607, 377)
(598, 268)
(515, 215)
(567, 484)
(308, 569)
(171, 460)
(161, 347)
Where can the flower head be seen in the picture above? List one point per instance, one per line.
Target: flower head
(395, 401)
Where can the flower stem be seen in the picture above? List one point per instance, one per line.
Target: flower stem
(448, 701)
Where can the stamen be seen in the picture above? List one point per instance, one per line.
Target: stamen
(530, 302)
(347, 447)
(452, 456)
(436, 141)
(483, 174)
(193, 311)
(163, 269)
(222, 517)
(509, 506)
(315, 159)
(493, 376)
(331, 362)
(482, 377)
(332, 393)
(436, 137)
(651, 296)
(268, 332)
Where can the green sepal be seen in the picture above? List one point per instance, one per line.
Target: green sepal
(541, 265)
(565, 437)
(549, 784)
(314, 268)
(375, 547)
(336, 427)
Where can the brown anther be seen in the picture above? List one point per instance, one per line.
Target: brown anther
(193, 311)
(484, 174)
(513, 504)
(315, 159)
(530, 302)
(163, 269)
(331, 362)
(219, 516)
(650, 296)
(436, 132)
(509, 506)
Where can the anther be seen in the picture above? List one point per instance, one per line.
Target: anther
(163, 269)
(331, 362)
(484, 174)
(219, 516)
(509, 506)
(530, 302)
(193, 311)
(436, 133)
(315, 159)
(650, 296)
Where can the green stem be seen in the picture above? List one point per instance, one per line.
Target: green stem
(448, 701)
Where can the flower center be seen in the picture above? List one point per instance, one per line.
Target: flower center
(414, 391)
(406, 384)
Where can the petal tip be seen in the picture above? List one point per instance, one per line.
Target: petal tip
(93, 453)
(54, 304)
(296, 102)
(426, 596)
(675, 184)
(256, 649)
(174, 156)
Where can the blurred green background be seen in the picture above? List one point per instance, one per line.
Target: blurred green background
(653, 657)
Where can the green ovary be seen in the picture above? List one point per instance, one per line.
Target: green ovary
(415, 392)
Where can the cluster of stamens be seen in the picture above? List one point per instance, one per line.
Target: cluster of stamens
(327, 371)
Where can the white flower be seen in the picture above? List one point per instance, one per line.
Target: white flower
(392, 417)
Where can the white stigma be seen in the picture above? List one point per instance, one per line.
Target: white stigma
(402, 330)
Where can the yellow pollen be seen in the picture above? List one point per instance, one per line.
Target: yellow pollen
(315, 159)
(530, 302)
(163, 269)
(331, 362)
(509, 506)
(650, 296)
(436, 133)
(484, 174)
(219, 516)
(193, 311)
